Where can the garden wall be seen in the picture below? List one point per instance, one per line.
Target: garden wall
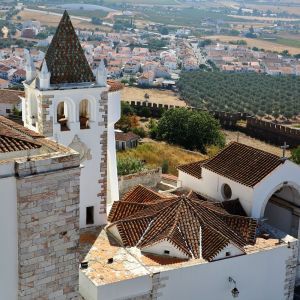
(149, 178)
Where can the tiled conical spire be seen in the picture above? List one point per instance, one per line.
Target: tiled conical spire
(65, 58)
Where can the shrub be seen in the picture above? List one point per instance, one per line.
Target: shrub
(129, 165)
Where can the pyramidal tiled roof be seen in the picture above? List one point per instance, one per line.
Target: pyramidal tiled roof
(65, 57)
(186, 222)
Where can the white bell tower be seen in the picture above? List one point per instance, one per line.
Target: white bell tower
(67, 103)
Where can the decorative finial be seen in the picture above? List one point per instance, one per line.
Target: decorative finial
(44, 76)
(101, 74)
(29, 68)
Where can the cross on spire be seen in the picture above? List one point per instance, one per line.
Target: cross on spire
(284, 148)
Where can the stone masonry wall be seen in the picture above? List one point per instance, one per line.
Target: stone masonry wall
(48, 233)
(291, 271)
(103, 110)
(149, 178)
(45, 122)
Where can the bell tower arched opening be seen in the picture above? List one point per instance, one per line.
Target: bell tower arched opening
(62, 116)
(84, 114)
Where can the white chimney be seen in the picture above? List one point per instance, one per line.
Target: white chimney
(101, 74)
(44, 77)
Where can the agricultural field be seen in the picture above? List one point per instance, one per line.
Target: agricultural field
(52, 20)
(256, 94)
(155, 96)
(156, 153)
(262, 44)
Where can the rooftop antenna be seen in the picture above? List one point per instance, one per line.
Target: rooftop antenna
(284, 148)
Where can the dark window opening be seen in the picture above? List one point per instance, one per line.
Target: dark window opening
(227, 192)
(228, 253)
(8, 111)
(90, 215)
(167, 252)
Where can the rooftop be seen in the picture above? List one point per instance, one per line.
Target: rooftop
(97, 246)
(238, 162)
(10, 96)
(197, 227)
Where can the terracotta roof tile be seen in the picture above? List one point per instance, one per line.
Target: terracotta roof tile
(65, 57)
(115, 85)
(184, 221)
(243, 164)
(194, 168)
(10, 96)
(126, 136)
(12, 140)
(20, 128)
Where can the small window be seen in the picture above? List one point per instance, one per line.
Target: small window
(167, 252)
(90, 215)
(8, 111)
(227, 253)
(226, 192)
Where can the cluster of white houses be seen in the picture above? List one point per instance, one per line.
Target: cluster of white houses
(228, 229)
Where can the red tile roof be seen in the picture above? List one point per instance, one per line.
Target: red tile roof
(183, 221)
(115, 85)
(21, 129)
(243, 164)
(126, 136)
(10, 96)
(238, 162)
(65, 57)
(12, 140)
(194, 168)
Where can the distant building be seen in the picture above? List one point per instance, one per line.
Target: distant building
(126, 140)
(9, 99)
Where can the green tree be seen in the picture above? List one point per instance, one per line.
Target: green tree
(296, 155)
(194, 130)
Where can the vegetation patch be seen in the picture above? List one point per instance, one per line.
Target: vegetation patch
(159, 154)
(255, 94)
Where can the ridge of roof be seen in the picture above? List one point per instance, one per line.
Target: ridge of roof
(65, 57)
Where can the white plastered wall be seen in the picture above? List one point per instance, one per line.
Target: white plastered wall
(211, 185)
(9, 239)
(90, 173)
(259, 276)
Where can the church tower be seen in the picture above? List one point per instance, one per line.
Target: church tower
(69, 103)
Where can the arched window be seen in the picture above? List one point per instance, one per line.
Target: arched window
(62, 116)
(84, 114)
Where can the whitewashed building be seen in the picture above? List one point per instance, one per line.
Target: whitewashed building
(217, 236)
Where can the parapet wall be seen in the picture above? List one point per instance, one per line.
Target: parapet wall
(148, 178)
(272, 133)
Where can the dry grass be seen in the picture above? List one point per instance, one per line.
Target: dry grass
(156, 96)
(155, 153)
(276, 8)
(256, 43)
(53, 20)
(232, 136)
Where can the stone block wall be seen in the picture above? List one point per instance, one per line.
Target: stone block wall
(48, 231)
(148, 178)
(103, 110)
(45, 121)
